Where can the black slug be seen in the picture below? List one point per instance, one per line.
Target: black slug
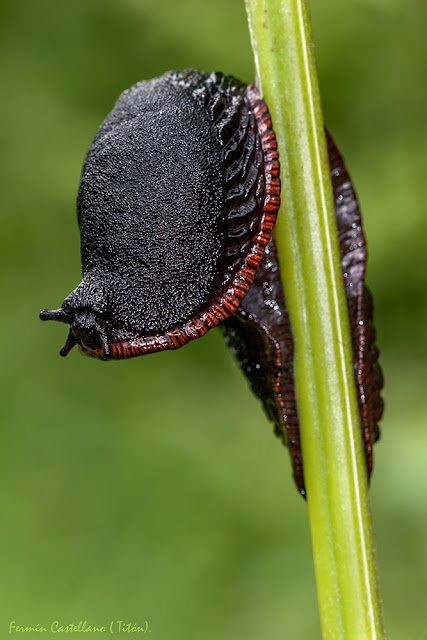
(176, 207)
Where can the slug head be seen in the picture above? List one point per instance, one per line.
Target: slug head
(86, 330)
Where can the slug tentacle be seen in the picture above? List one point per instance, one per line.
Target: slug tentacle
(104, 343)
(55, 314)
(69, 344)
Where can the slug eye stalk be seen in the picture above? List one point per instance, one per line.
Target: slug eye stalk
(56, 314)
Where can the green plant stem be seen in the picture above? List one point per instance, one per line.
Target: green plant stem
(334, 464)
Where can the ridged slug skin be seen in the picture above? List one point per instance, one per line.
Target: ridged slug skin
(259, 333)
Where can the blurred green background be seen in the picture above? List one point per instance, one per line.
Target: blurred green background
(153, 489)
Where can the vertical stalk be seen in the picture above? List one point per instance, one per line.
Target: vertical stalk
(334, 464)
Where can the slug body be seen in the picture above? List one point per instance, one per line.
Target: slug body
(177, 203)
